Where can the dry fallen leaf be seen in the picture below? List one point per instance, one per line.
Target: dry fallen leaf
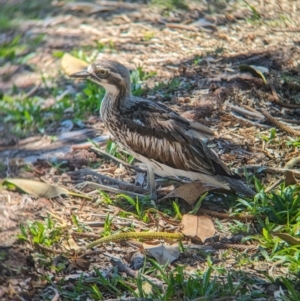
(81, 263)
(190, 192)
(256, 71)
(290, 178)
(71, 64)
(146, 287)
(40, 189)
(197, 227)
(163, 253)
(71, 244)
(293, 241)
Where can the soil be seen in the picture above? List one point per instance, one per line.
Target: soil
(214, 50)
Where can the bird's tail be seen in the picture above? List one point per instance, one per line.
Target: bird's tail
(232, 182)
(239, 187)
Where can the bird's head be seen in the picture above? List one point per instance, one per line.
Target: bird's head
(111, 75)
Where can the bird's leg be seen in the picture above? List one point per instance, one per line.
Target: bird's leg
(151, 183)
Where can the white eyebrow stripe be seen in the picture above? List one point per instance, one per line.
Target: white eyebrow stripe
(116, 75)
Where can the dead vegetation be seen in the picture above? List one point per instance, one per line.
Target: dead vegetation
(231, 66)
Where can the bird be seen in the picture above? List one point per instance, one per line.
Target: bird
(169, 144)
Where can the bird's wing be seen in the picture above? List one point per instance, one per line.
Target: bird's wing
(158, 133)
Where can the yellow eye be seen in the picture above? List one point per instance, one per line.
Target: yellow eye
(102, 72)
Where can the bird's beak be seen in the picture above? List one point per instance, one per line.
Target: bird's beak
(81, 74)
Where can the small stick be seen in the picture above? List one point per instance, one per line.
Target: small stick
(267, 169)
(280, 103)
(134, 274)
(86, 172)
(290, 120)
(31, 92)
(249, 123)
(244, 112)
(109, 189)
(104, 153)
(290, 164)
(278, 182)
(181, 26)
(56, 294)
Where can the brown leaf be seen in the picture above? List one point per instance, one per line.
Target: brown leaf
(197, 227)
(190, 192)
(40, 189)
(71, 64)
(288, 238)
(290, 178)
(256, 71)
(81, 263)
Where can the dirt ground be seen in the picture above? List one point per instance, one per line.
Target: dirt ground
(232, 66)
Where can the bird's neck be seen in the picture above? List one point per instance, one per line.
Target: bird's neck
(113, 101)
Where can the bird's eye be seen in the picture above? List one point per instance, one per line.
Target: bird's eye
(102, 72)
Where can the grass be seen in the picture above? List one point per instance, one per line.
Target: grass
(295, 143)
(45, 233)
(27, 115)
(206, 275)
(12, 15)
(167, 89)
(138, 77)
(10, 49)
(275, 211)
(255, 16)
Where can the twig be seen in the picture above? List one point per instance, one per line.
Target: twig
(285, 30)
(280, 103)
(123, 268)
(244, 111)
(109, 189)
(134, 274)
(266, 169)
(47, 249)
(181, 26)
(139, 224)
(85, 235)
(121, 184)
(56, 295)
(223, 215)
(31, 92)
(63, 222)
(271, 187)
(100, 140)
(280, 125)
(104, 153)
(249, 123)
(119, 4)
(290, 164)
(290, 120)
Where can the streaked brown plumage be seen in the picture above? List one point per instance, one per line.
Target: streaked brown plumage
(169, 144)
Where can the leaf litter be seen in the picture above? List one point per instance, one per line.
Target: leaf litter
(200, 77)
